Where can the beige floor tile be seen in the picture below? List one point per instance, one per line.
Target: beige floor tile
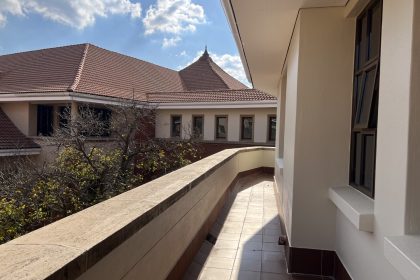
(274, 266)
(215, 274)
(216, 262)
(270, 238)
(273, 256)
(272, 232)
(243, 254)
(252, 246)
(226, 244)
(272, 247)
(229, 236)
(245, 275)
(251, 238)
(247, 264)
(223, 253)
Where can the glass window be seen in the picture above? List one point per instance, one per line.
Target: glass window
(176, 122)
(198, 126)
(365, 98)
(247, 128)
(272, 120)
(45, 120)
(221, 127)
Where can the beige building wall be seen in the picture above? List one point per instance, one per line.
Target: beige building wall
(23, 115)
(163, 122)
(317, 123)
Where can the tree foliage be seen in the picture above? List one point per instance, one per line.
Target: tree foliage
(98, 157)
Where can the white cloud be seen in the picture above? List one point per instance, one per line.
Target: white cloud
(173, 17)
(231, 64)
(75, 13)
(170, 42)
(183, 53)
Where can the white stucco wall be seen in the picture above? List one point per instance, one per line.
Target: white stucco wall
(163, 122)
(317, 136)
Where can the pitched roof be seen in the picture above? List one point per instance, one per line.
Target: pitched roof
(11, 137)
(224, 95)
(204, 74)
(86, 68)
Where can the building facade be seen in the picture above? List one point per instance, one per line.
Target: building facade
(200, 101)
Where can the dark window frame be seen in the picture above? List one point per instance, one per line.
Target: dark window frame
(193, 127)
(216, 136)
(365, 99)
(172, 126)
(270, 137)
(242, 117)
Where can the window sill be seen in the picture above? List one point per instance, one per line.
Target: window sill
(357, 207)
(403, 252)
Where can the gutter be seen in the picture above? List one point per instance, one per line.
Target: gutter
(19, 152)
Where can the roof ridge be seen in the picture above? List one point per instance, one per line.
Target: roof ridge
(215, 72)
(78, 75)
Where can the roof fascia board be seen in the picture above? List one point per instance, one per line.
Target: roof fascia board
(230, 105)
(60, 96)
(19, 152)
(228, 9)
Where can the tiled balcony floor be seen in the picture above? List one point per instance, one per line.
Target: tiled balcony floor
(247, 231)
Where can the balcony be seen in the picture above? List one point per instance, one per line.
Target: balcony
(156, 230)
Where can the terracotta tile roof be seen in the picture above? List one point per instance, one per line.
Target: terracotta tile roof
(40, 71)
(228, 95)
(112, 74)
(11, 137)
(84, 68)
(204, 74)
(88, 69)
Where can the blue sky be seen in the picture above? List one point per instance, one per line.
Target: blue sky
(171, 33)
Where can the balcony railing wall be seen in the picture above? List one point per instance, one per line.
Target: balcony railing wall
(142, 233)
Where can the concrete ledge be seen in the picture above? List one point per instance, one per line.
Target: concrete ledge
(403, 252)
(357, 207)
(145, 230)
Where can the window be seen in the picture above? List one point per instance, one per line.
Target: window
(176, 122)
(272, 120)
(101, 115)
(64, 113)
(221, 127)
(247, 128)
(365, 98)
(198, 126)
(45, 120)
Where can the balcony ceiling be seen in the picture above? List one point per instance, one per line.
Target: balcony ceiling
(262, 30)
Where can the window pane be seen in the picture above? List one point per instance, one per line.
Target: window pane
(45, 120)
(358, 160)
(369, 162)
(272, 129)
(365, 103)
(198, 126)
(363, 40)
(221, 127)
(375, 34)
(176, 126)
(247, 128)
